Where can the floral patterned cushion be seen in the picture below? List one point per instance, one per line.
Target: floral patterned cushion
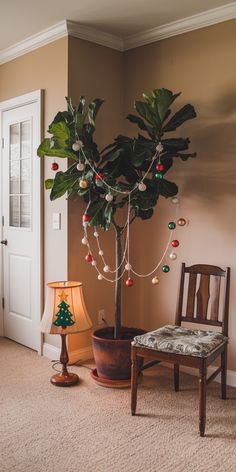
(181, 340)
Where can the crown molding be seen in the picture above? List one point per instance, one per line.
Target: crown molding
(34, 42)
(71, 28)
(80, 31)
(200, 20)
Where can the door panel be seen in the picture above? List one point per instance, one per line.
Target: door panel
(21, 210)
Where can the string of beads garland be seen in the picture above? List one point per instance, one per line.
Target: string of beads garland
(100, 180)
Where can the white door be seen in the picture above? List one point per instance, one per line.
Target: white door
(21, 223)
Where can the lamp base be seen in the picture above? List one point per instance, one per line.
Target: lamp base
(61, 380)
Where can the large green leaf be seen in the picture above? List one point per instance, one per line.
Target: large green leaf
(146, 111)
(45, 149)
(141, 124)
(61, 133)
(62, 184)
(49, 184)
(187, 112)
(163, 99)
(93, 109)
(167, 188)
(95, 212)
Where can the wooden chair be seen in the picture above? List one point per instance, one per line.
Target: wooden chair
(204, 297)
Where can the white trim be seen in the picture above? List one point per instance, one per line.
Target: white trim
(53, 353)
(200, 20)
(95, 36)
(35, 41)
(72, 28)
(26, 99)
(231, 374)
(83, 354)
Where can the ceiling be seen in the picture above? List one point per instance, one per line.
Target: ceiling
(20, 19)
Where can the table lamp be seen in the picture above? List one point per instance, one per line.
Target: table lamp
(65, 313)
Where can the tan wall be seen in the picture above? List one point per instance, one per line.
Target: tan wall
(44, 68)
(202, 65)
(95, 72)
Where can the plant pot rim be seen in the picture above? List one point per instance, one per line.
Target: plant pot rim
(110, 329)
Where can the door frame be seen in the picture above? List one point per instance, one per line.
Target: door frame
(35, 97)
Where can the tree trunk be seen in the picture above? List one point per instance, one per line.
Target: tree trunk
(117, 327)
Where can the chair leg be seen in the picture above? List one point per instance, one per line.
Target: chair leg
(176, 377)
(223, 373)
(202, 397)
(134, 380)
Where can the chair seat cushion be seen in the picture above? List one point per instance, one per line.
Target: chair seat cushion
(179, 340)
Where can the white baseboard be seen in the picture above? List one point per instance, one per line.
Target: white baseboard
(231, 374)
(53, 353)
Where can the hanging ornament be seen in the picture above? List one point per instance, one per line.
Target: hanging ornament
(77, 145)
(155, 281)
(94, 263)
(175, 200)
(129, 282)
(99, 176)
(181, 222)
(54, 166)
(142, 187)
(80, 166)
(171, 225)
(89, 257)
(175, 243)
(159, 147)
(100, 252)
(84, 241)
(160, 167)
(109, 197)
(85, 217)
(128, 266)
(165, 268)
(106, 268)
(95, 234)
(100, 276)
(173, 256)
(83, 183)
(159, 175)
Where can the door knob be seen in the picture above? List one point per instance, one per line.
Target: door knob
(4, 241)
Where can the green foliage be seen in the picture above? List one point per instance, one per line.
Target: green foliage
(124, 163)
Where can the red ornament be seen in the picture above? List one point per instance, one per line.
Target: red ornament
(89, 258)
(175, 243)
(99, 176)
(160, 167)
(54, 166)
(129, 282)
(85, 217)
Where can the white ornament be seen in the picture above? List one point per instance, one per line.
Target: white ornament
(95, 234)
(94, 263)
(142, 187)
(128, 266)
(175, 200)
(84, 241)
(100, 253)
(106, 268)
(85, 223)
(77, 145)
(109, 197)
(159, 147)
(173, 256)
(100, 277)
(80, 166)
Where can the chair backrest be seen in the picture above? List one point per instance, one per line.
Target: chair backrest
(203, 298)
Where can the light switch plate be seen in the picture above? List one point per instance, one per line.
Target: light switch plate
(56, 221)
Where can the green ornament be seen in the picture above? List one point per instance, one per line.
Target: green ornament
(165, 269)
(159, 175)
(171, 225)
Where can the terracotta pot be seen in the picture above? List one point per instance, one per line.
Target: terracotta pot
(113, 356)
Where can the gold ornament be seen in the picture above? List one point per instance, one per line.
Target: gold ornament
(83, 183)
(155, 281)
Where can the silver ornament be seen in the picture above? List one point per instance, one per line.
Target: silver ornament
(173, 256)
(100, 276)
(109, 197)
(106, 268)
(128, 266)
(159, 147)
(80, 166)
(84, 241)
(142, 187)
(100, 253)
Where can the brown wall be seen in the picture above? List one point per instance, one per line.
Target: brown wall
(95, 72)
(202, 65)
(45, 68)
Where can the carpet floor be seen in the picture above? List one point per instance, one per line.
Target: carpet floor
(88, 428)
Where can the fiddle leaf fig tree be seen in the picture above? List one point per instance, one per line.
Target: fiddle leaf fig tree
(121, 166)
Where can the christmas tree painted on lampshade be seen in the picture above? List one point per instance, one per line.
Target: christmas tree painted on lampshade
(63, 315)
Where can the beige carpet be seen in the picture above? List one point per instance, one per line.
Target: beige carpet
(89, 428)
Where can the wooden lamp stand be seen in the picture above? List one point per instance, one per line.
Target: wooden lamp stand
(64, 378)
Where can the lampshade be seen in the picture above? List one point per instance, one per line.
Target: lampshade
(65, 311)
